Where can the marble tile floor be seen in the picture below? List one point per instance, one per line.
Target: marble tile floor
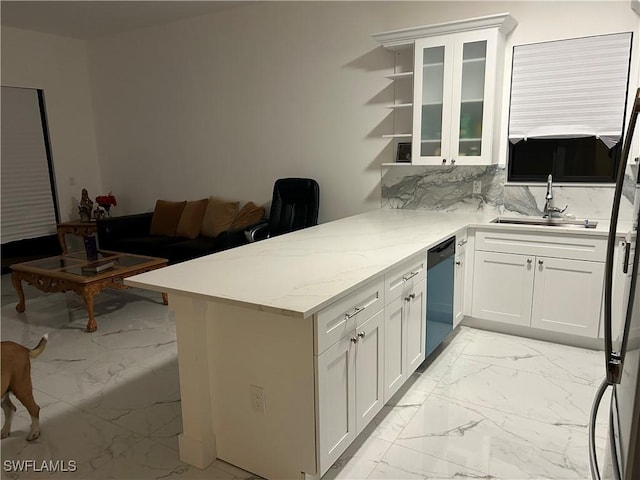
(488, 406)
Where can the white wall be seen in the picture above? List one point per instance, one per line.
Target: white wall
(58, 66)
(226, 103)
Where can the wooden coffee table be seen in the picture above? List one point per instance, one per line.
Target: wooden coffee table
(71, 272)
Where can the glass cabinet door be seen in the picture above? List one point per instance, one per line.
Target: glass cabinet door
(432, 100)
(432, 93)
(454, 79)
(471, 104)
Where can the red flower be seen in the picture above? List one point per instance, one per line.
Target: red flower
(106, 200)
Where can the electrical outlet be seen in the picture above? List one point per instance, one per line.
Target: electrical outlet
(477, 186)
(257, 398)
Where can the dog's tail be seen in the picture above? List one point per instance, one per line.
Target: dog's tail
(34, 352)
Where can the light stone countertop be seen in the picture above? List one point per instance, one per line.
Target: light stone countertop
(302, 272)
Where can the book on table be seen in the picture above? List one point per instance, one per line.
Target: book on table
(98, 266)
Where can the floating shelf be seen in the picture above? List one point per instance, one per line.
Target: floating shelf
(399, 76)
(397, 135)
(400, 105)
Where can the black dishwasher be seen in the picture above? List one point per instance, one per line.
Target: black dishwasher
(440, 272)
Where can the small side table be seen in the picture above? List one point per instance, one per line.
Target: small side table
(78, 228)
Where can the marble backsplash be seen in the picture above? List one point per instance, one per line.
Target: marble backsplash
(450, 188)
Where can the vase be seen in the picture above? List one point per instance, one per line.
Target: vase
(107, 209)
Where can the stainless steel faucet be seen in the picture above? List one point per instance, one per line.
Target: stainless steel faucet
(550, 211)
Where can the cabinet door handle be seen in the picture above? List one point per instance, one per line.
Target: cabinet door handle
(462, 242)
(540, 262)
(453, 161)
(444, 161)
(410, 276)
(361, 334)
(410, 297)
(357, 310)
(354, 339)
(529, 261)
(458, 263)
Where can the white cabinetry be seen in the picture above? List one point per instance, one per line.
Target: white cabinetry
(405, 323)
(457, 86)
(349, 370)
(459, 279)
(551, 282)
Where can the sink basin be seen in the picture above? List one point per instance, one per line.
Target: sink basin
(547, 222)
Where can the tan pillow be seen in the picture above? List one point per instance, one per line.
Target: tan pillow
(250, 214)
(165, 218)
(218, 216)
(191, 218)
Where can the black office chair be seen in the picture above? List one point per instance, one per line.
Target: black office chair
(294, 206)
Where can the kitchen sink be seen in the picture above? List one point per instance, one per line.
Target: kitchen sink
(547, 222)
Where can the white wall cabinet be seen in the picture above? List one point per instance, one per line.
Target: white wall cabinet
(457, 85)
(405, 323)
(541, 291)
(454, 98)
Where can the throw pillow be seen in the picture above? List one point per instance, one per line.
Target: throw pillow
(218, 216)
(165, 218)
(191, 218)
(250, 214)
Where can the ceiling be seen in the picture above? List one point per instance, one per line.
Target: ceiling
(92, 19)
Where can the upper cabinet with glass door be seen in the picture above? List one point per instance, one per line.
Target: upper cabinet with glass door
(457, 90)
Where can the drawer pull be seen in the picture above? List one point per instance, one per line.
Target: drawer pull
(462, 242)
(410, 276)
(356, 311)
(354, 339)
(410, 297)
(361, 334)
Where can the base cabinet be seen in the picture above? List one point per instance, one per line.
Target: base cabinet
(502, 287)
(350, 394)
(555, 294)
(459, 279)
(405, 323)
(567, 296)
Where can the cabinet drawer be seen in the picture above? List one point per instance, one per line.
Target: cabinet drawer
(343, 316)
(558, 245)
(405, 274)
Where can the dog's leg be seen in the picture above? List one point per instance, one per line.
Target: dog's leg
(8, 408)
(25, 395)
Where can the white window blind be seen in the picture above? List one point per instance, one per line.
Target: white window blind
(27, 209)
(570, 88)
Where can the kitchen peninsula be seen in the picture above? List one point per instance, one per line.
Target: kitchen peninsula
(255, 326)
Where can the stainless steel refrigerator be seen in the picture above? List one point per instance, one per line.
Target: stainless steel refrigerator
(622, 351)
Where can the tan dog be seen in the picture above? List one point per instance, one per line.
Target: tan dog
(16, 378)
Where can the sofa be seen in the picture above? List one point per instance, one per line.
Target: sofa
(180, 231)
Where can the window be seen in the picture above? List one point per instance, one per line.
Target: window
(28, 201)
(567, 109)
